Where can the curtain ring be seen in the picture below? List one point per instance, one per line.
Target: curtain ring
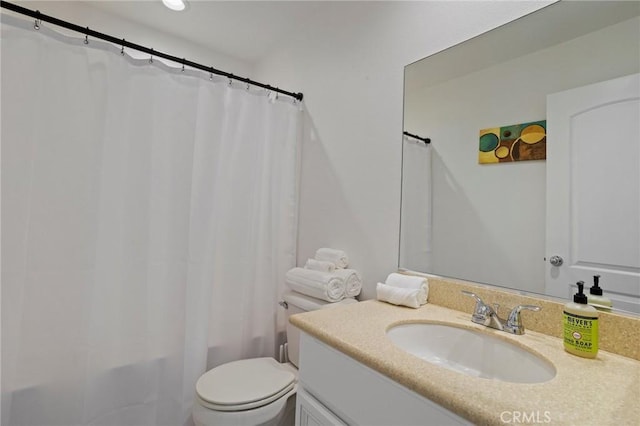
(38, 21)
(86, 37)
(122, 48)
(247, 86)
(230, 82)
(182, 65)
(151, 57)
(210, 76)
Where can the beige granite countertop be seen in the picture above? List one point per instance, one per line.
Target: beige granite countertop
(600, 391)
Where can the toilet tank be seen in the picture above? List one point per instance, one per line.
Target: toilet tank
(298, 303)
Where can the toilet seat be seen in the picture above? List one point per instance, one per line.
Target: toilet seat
(245, 384)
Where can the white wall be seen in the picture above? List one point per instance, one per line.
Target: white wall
(489, 220)
(350, 70)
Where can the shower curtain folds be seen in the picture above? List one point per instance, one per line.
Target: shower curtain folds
(148, 218)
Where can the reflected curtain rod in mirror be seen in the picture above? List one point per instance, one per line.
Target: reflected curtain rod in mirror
(411, 135)
(494, 223)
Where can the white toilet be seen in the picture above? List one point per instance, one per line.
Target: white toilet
(257, 391)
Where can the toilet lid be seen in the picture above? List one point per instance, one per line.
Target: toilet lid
(244, 384)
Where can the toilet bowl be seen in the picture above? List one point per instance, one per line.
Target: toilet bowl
(256, 391)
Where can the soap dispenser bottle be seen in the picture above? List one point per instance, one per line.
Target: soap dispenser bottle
(596, 299)
(580, 326)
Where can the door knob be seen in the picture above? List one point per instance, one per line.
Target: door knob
(555, 260)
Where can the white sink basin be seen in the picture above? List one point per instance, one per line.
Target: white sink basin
(473, 353)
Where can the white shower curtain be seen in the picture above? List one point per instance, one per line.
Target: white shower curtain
(416, 212)
(148, 218)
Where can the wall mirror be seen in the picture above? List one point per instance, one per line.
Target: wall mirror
(488, 223)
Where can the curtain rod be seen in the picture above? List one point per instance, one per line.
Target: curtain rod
(122, 42)
(411, 135)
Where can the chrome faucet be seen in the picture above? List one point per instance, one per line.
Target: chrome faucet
(486, 315)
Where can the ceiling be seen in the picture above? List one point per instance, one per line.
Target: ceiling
(227, 27)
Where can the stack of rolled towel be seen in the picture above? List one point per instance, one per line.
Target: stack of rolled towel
(405, 290)
(326, 277)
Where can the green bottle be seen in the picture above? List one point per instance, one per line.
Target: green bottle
(580, 326)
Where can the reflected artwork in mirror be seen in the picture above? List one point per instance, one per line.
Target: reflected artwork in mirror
(500, 224)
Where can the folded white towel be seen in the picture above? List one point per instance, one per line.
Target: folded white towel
(320, 265)
(337, 257)
(352, 281)
(410, 297)
(411, 282)
(318, 284)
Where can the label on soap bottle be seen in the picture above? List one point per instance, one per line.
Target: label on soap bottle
(581, 333)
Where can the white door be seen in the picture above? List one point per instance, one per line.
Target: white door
(593, 189)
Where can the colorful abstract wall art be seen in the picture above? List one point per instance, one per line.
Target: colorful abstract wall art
(518, 142)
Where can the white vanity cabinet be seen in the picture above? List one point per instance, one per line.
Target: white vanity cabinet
(310, 412)
(334, 389)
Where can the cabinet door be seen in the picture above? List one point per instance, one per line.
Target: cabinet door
(593, 189)
(310, 412)
(360, 395)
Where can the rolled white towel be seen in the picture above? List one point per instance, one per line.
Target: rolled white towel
(320, 265)
(411, 297)
(352, 281)
(337, 257)
(409, 281)
(318, 284)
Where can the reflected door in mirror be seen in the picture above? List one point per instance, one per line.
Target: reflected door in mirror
(593, 189)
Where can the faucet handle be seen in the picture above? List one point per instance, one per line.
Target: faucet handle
(514, 322)
(481, 310)
(470, 294)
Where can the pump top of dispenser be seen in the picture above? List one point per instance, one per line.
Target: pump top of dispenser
(580, 297)
(596, 299)
(595, 289)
